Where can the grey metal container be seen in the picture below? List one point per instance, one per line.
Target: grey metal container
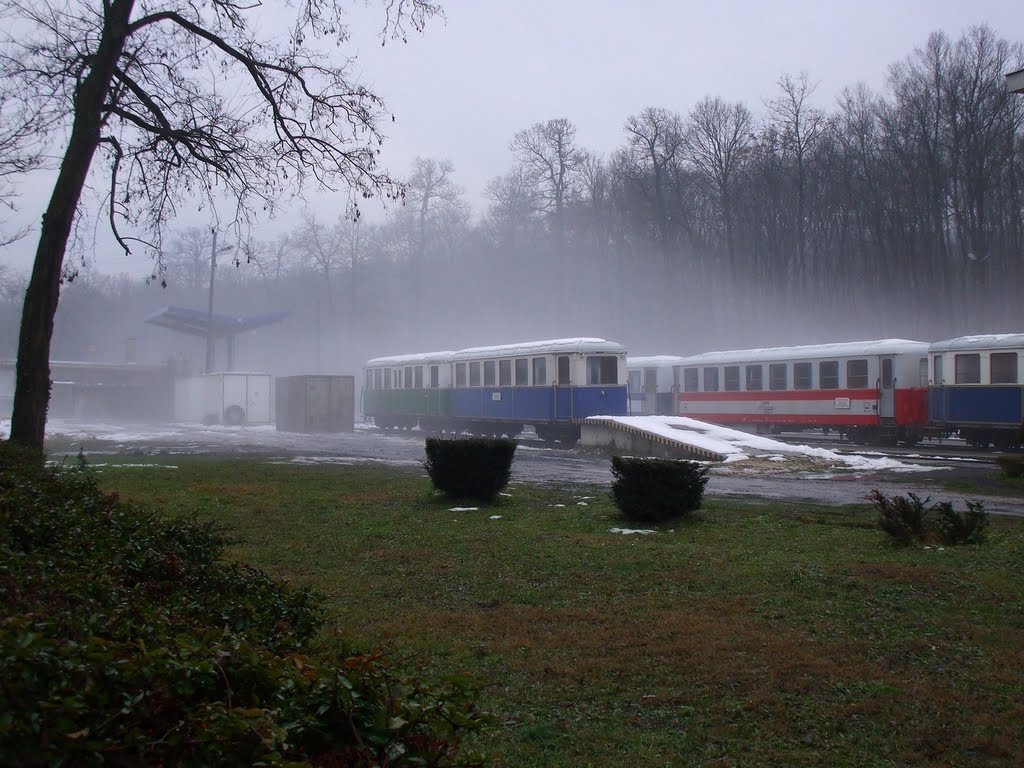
(315, 403)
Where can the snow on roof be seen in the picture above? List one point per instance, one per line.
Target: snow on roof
(552, 346)
(415, 359)
(653, 361)
(842, 349)
(734, 444)
(983, 341)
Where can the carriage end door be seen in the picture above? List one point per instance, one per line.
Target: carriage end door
(886, 388)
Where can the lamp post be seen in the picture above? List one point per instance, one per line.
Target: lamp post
(210, 339)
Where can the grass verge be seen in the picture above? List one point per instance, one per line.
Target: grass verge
(754, 634)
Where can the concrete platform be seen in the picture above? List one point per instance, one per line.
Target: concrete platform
(641, 437)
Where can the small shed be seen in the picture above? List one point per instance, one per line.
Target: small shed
(315, 403)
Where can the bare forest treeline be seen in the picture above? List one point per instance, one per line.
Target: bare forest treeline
(887, 214)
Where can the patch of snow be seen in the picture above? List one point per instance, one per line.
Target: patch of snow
(581, 503)
(628, 531)
(558, 505)
(495, 517)
(119, 466)
(464, 509)
(736, 445)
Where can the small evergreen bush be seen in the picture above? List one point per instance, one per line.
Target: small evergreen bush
(126, 639)
(1012, 464)
(966, 527)
(909, 518)
(473, 468)
(902, 517)
(657, 490)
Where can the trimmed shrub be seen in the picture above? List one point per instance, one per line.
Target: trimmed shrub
(126, 639)
(1012, 464)
(909, 518)
(472, 468)
(657, 490)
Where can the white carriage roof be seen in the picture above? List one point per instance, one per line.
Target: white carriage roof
(416, 359)
(552, 346)
(652, 361)
(811, 351)
(984, 341)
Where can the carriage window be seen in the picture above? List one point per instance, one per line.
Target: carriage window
(369, 379)
(634, 381)
(474, 374)
(801, 375)
(732, 378)
(418, 377)
(938, 370)
(922, 372)
(434, 377)
(828, 374)
(408, 377)
(563, 371)
(522, 372)
(857, 374)
(602, 369)
(489, 373)
(1003, 368)
(691, 379)
(887, 379)
(378, 379)
(387, 378)
(710, 379)
(540, 372)
(755, 378)
(967, 368)
(777, 378)
(460, 374)
(675, 378)
(504, 373)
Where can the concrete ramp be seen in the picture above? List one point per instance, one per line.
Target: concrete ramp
(648, 436)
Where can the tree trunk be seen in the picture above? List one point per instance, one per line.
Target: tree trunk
(32, 386)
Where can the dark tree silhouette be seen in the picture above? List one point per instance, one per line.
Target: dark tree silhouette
(182, 98)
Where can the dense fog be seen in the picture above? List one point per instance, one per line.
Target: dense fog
(712, 225)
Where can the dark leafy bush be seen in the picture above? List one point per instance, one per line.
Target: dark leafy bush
(474, 468)
(126, 639)
(909, 518)
(657, 490)
(1012, 464)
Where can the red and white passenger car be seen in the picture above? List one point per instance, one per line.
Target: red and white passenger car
(869, 391)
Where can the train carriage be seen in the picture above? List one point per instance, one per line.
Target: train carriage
(871, 391)
(549, 385)
(976, 389)
(400, 391)
(652, 385)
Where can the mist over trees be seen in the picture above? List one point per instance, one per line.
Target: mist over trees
(712, 225)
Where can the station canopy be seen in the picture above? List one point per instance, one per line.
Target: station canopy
(196, 322)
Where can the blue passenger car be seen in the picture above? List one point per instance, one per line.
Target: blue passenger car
(549, 385)
(976, 389)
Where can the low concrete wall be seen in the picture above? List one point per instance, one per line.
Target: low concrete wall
(634, 442)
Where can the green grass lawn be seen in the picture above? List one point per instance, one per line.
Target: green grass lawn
(754, 634)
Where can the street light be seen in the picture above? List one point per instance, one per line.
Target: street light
(209, 308)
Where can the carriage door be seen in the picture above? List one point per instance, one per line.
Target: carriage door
(650, 391)
(886, 394)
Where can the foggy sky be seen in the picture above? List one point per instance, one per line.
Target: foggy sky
(461, 90)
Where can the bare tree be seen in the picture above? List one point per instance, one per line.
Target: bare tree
(142, 83)
(717, 138)
(549, 153)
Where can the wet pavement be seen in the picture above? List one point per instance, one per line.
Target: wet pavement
(795, 479)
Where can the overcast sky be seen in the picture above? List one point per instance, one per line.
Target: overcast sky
(461, 90)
